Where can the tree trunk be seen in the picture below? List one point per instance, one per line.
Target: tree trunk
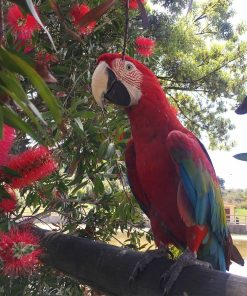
(108, 268)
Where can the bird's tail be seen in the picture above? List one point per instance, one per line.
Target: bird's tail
(213, 252)
(232, 253)
(220, 254)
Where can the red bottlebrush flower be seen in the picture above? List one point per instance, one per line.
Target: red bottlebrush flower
(8, 204)
(134, 5)
(21, 25)
(32, 165)
(77, 12)
(19, 251)
(6, 143)
(144, 46)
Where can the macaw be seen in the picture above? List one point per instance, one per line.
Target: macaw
(169, 170)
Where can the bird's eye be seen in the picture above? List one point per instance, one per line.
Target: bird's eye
(129, 67)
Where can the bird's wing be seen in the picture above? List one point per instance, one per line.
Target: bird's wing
(199, 198)
(160, 230)
(199, 181)
(135, 185)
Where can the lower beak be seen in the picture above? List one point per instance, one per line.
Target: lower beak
(116, 93)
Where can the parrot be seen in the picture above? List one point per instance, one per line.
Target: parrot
(169, 170)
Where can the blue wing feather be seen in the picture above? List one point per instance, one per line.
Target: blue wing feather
(202, 189)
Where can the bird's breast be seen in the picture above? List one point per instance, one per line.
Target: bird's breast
(159, 179)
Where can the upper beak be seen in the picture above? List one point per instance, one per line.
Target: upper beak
(105, 85)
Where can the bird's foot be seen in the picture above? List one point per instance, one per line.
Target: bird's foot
(188, 258)
(148, 257)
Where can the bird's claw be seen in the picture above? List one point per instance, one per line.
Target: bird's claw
(135, 273)
(168, 279)
(147, 258)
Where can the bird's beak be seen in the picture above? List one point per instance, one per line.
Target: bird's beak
(106, 86)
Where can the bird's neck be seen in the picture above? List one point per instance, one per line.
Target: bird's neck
(152, 116)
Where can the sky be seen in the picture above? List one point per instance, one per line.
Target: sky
(234, 171)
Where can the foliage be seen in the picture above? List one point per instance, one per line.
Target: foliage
(241, 212)
(235, 196)
(200, 60)
(221, 182)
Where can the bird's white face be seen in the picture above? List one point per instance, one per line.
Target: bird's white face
(120, 83)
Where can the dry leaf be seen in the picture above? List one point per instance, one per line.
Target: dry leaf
(144, 16)
(95, 13)
(43, 70)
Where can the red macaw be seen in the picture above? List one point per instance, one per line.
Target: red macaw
(169, 170)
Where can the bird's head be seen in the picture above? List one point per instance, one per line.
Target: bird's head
(121, 81)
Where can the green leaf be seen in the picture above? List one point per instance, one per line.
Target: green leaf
(102, 149)
(36, 210)
(241, 156)
(78, 187)
(79, 174)
(4, 193)
(110, 150)
(36, 112)
(10, 172)
(23, 106)
(14, 62)
(78, 121)
(98, 185)
(11, 82)
(11, 118)
(86, 114)
(22, 4)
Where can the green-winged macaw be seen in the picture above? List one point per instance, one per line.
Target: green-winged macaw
(169, 170)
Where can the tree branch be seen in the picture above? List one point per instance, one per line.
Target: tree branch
(205, 127)
(184, 88)
(108, 268)
(225, 63)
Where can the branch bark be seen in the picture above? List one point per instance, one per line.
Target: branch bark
(108, 268)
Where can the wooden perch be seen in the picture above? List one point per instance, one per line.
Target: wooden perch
(108, 268)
